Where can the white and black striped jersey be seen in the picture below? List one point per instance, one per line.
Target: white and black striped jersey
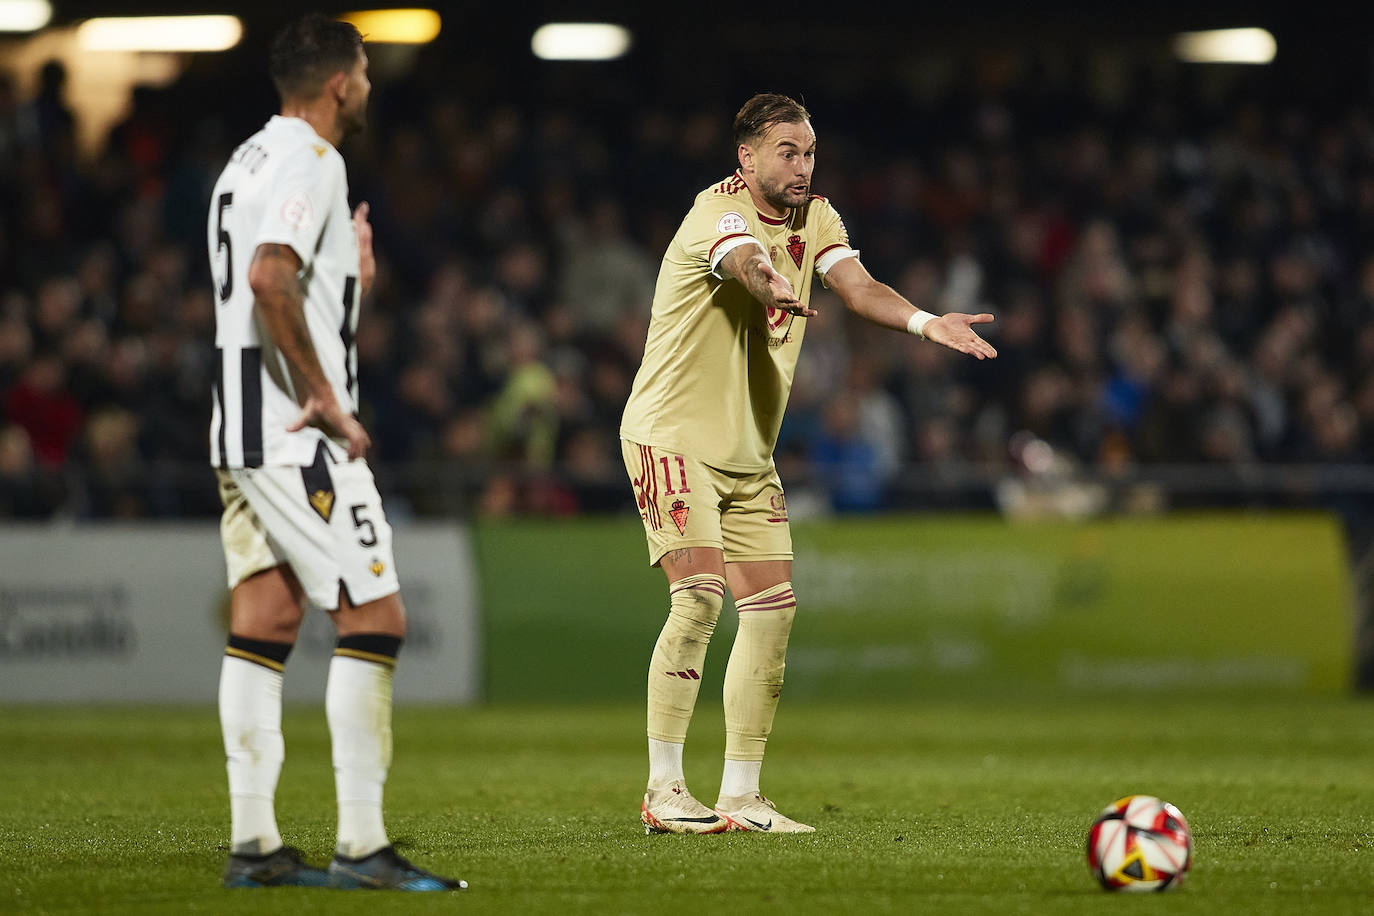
(283, 185)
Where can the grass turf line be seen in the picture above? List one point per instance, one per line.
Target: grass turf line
(938, 807)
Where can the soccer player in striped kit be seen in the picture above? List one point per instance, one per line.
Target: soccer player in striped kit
(302, 517)
(698, 433)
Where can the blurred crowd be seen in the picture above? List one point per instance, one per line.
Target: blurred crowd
(1177, 278)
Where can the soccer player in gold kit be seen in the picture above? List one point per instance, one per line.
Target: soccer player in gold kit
(698, 432)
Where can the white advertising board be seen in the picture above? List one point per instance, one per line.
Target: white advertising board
(139, 613)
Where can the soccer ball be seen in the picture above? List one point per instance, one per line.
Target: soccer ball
(1139, 843)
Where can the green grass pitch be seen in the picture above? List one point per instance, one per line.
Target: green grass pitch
(933, 807)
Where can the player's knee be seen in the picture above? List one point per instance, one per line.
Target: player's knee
(281, 628)
(384, 615)
(696, 601)
(263, 607)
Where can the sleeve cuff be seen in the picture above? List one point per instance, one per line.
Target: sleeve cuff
(727, 245)
(291, 242)
(832, 256)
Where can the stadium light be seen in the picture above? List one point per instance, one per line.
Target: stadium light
(159, 33)
(24, 15)
(580, 41)
(401, 27)
(1226, 46)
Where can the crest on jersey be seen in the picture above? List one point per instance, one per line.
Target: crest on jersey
(678, 513)
(732, 222)
(322, 501)
(796, 248)
(297, 212)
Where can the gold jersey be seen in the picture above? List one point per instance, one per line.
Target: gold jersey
(718, 363)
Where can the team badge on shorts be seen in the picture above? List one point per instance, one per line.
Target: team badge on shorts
(377, 567)
(678, 512)
(319, 486)
(323, 503)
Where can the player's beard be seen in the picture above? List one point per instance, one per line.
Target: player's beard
(778, 195)
(355, 121)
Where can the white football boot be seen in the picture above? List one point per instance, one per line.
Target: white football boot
(672, 809)
(756, 813)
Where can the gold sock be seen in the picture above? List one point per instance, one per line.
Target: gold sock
(680, 654)
(753, 678)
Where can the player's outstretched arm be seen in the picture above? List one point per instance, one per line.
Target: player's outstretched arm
(748, 265)
(281, 308)
(882, 305)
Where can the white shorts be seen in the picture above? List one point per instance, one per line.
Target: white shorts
(325, 521)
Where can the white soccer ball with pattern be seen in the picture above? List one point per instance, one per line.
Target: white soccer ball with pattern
(1139, 843)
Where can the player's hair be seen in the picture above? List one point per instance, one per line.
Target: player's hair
(309, 51)
(763, 111)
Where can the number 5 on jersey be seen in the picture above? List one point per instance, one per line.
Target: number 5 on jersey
(225, 286)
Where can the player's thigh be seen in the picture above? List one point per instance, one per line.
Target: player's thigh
(754, 526)
(266, 600)
(679, 503)
(692, 561)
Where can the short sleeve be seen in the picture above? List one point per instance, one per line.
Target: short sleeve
(831, 239)
(715, 226)
(299, 201)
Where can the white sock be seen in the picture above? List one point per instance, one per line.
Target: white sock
(250, 719)
(357, 702)
(665, 762)
(740, 777)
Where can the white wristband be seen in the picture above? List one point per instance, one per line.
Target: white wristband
(917, 323)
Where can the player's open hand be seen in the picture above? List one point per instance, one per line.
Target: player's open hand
(328, 416)
(784, 297)
(367, 261)
(955, 331)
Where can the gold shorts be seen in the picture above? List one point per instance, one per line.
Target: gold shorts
(685, 503)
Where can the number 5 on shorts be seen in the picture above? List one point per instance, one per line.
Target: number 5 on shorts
(369, 539)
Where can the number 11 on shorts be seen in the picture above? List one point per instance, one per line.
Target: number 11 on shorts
(668, 476)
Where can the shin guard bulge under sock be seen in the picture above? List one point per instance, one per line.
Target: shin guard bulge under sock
(250, 684)
(358, 707)
(753, 678)
(680, 654)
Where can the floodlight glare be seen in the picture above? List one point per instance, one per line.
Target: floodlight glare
(159, 33)
(1226, 46)
(24, 15)
(401, 27)
(580, 41)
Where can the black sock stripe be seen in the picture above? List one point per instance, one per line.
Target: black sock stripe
(371, 644)
(261, 651)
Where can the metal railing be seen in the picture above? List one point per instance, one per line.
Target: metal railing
(448, 489)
